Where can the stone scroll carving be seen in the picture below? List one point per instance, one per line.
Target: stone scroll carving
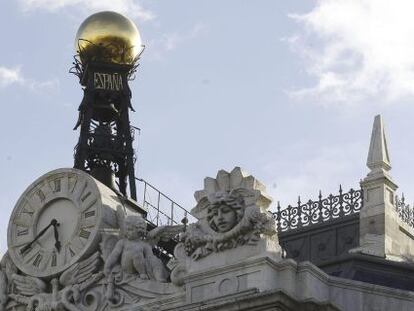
(63, 293)
(231, 212)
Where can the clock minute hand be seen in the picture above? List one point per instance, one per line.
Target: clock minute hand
(52, 223)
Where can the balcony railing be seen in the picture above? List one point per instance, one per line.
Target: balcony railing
(161, 209)
(319, 211)
(404, 210)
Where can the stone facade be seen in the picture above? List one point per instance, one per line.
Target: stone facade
(299, 286)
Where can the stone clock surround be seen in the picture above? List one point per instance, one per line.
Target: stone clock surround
(86, 193)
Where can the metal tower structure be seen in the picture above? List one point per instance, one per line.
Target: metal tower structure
(104, 66)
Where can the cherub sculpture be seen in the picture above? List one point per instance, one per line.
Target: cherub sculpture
(134, 250)
(3, 290)
(7, 269)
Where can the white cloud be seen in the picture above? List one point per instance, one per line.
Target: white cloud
(357, 49)
(10, 76)
(169, 41)
(130, 8)
(43, 87)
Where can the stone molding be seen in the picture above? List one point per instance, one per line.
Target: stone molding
(302, 283)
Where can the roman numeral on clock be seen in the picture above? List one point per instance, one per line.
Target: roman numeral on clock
(83, 198)
(25, 250)
(22, 232)
(72, 253)
(37, 260)
(54, 260)
(41, 195)
(57, 185)
(26, 211)
(84, 234)
(89, 214)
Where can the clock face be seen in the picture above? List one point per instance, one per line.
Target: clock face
(71, 199)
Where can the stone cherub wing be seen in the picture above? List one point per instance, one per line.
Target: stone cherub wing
(8, 266)
(81, 271)
(107, 245)
(28, 285)
(163, 233)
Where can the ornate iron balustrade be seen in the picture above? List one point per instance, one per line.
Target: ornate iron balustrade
(404, 210)
(162, 210)
(314, 212)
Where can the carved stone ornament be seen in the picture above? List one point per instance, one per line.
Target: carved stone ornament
(232, 214)
(75, 245)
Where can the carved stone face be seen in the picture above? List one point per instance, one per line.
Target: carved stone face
(222, 218)
(135, 228)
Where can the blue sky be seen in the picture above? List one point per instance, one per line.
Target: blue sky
(285, 89)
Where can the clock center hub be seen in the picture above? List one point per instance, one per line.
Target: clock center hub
(66, 214)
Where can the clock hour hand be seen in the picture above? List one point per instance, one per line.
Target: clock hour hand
(57, 242)
(28, 246)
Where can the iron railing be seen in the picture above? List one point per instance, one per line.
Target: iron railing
(322, 210)
(161, 209)
(404, 210)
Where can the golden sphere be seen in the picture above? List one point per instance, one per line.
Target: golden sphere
(109, 37)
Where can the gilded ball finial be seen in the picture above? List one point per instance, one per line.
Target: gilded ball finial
(108, 37)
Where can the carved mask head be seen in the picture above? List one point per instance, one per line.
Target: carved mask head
(224, 212)
(135, 227)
